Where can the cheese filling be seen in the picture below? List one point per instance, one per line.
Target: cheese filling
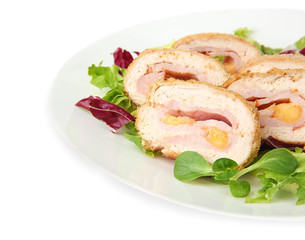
(172, 120)
(214, 136)
(287, 112)
(217, 138)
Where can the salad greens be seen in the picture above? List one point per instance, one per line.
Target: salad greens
(300, 44)
(246, 32)
(111, 80)
(114, 116)
(275, 169)
(169, 45)
(133, 136)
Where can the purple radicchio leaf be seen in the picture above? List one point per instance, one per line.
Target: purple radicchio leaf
(114, 116)
(291, 51)
(271, 141)
(302, 51)
(122, 58)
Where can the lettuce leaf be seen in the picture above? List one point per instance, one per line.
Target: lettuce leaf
(273, 181)
(115, 108)
(245, 33)
(102, 77)
(133, 135)
(300, 44)
(168, 45)
(111, 78)
(114, 116)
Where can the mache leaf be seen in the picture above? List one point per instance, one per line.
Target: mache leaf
(240, 188)
(190, 165)
(278, 160)
(224, 164)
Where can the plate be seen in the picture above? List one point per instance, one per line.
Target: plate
(121, 158)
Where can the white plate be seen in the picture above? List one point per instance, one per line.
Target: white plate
(121, 158)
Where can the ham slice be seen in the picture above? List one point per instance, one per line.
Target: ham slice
(153, 65)
(279, 96)
(146, 80)
(195, 116)
(161, 71)
(266, 110)
(230, 56)
(236, 51)
(195, 128)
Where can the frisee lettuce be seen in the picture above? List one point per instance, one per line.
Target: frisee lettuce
(300, 44)
(111, 79)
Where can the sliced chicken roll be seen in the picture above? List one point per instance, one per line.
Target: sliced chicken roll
(280, 98)
(235, 50)
(267, 62)
(193, 116)
(159, 64)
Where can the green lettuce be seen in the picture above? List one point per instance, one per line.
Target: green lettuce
(275, 169)
(168, 45)
(300, 44)
(111, 79)
(133, 135)
(245, 33)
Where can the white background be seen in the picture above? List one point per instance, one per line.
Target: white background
(47, 191)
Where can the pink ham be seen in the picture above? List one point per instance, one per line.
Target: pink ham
(183, 116)
(263, 103)
(195, 134)
(198, 141)
(217, 52)
(146, 80)
(179, 72)
(161, 71)
(201, 114)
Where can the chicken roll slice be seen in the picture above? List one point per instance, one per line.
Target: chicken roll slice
(280, 98)
(267, 62)
(235, 50)
(193, 116)
(159, 64)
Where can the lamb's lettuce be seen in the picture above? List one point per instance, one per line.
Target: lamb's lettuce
(275, 169)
